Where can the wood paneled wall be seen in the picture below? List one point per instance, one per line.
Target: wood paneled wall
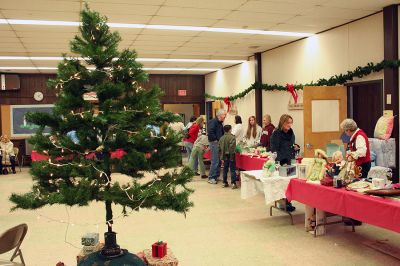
(193, 84)
(30, 83)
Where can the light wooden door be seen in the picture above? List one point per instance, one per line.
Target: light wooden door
(324, 108)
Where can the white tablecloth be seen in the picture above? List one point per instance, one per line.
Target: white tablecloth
(253, 183)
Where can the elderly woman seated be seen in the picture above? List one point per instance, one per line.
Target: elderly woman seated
(6, 154)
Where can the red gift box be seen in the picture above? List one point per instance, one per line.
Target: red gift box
(159, 249)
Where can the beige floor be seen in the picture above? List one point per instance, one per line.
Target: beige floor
(221, 229)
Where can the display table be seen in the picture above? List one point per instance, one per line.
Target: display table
(273, 188)
(35, 156)
(381, 212)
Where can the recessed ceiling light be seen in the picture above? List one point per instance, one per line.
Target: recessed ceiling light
(156, 27)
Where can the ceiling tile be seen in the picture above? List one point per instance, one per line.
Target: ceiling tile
(239, 24)
(371, 5)
(192, 12)
(211, 4)
(339, 13)
(277, 7)
(40, 15)
(48, 5)
(258, 16)
(313, 21)
(159, 20)
(298, 28)
(124, 8)
(137, 2)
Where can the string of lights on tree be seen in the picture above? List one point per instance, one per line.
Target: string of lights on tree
(340, 79)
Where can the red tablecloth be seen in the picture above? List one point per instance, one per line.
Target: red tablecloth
(245, 162)
(248, 163)
(41, 157)
(382, 212)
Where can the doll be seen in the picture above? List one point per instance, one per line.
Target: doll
(318, 166)
(350, 170)
(337, 164)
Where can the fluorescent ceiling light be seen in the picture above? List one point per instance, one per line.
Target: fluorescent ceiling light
(179, 69)
(182, 60)
(151, 68)
(155, 27)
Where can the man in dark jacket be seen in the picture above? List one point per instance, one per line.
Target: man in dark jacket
(215, 132)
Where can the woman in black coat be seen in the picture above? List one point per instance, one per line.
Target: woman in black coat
(282, 140)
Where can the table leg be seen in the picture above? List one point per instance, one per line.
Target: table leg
(284, 211)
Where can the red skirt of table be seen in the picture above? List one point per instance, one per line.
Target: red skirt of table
(245, 162)
(41, 157)
(382, 212)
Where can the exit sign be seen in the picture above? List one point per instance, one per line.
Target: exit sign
(181, 92)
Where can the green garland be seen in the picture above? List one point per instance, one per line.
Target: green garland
(359, 72)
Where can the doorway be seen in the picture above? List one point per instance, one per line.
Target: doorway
(365, 104)
(185, 110)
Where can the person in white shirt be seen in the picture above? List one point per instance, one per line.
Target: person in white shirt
(238, 129)
(7, 149)
(253, 133)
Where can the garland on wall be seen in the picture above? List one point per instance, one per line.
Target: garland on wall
(340, 79)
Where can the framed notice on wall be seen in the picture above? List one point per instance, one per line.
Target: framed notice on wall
(19, 126)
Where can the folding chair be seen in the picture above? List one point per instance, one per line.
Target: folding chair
(12, 239)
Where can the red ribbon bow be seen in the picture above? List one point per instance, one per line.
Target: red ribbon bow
(228, 103)
(291, 89)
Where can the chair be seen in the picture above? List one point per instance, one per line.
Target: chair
(10, 239)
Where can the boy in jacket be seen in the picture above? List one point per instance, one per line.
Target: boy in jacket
(227, 146)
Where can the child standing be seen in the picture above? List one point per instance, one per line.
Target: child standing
(227, 146)
(199, 147)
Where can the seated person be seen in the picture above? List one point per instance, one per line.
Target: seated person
(7, 150)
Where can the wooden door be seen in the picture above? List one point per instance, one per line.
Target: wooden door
(196, 110)
(325, 108)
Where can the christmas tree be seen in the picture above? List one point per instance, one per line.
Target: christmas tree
(84, 136)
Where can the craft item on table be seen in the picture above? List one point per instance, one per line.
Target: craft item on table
(380, 172)
(337, 163)
(287, 170)
(337, 182)
(302, 171)
(350, 171)
(378, 183)
(359, 186)
(327, 181)
(317, 168)
(159, 249)
(168, 260)
(383, 192)
(269, 166)
(90, 239)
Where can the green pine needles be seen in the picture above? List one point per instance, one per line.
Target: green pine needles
(84, 135)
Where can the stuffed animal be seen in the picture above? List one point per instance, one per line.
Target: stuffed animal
(269, 166)
(318, 167)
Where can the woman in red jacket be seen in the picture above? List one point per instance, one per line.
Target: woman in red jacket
(266, 133)
(193, 133)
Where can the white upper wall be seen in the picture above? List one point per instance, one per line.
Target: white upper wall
(321, 56)
(230, 81)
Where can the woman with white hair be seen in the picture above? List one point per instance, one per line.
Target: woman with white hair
(358, 147)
